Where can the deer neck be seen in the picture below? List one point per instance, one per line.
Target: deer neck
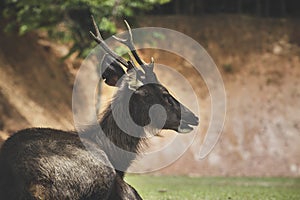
(120, 141)
(124, 137)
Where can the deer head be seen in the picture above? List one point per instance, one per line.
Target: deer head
(144, 89)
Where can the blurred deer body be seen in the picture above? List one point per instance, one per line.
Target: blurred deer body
(40, 163)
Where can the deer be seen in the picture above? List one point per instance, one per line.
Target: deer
(46, 163)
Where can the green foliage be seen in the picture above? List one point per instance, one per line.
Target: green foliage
(69, 20)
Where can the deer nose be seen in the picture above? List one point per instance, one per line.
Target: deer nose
(188, 116)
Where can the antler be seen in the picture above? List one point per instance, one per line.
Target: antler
(148, 68)
(98, 38)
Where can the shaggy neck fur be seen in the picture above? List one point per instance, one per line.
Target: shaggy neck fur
(121, 146)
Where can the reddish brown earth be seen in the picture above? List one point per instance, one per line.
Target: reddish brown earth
(260, 64)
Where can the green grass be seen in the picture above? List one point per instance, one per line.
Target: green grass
(217, 188)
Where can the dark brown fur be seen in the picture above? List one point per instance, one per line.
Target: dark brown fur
(41, 163)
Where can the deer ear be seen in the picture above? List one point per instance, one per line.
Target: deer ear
(111, 71)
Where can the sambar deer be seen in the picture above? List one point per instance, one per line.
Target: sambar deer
(44, 163)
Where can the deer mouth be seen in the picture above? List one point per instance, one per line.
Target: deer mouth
(185, 126)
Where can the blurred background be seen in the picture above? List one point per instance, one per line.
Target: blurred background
(255, 44)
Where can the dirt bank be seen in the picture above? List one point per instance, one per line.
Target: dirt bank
(260, 63)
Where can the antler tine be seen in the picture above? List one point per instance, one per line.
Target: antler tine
(98, 38)
(151, 65)
(149, 71)
(129, 43)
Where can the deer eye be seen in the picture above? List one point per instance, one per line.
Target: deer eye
(167, 98)
(165, 92)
